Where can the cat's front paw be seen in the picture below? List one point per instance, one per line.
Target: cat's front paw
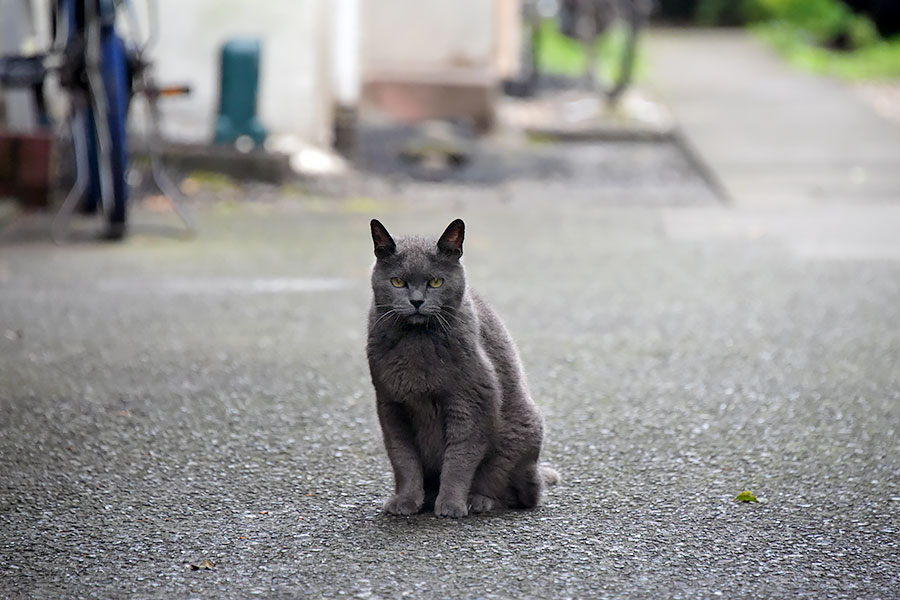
(402, 505)
(445, 507)
(480, 504)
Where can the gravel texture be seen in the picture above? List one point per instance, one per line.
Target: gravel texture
(166, 402)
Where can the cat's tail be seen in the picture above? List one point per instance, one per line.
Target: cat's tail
(549, 475)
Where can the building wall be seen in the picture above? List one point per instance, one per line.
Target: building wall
(428, 35)
(468, 40)
(295, 85)
(416, 34)
(438, 58)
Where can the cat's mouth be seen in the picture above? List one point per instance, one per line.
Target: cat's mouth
(417, 318)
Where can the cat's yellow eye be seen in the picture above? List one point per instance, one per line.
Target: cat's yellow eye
(397, 282)
(436, 282)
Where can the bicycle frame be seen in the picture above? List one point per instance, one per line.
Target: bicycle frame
(101, 72)
(586, 21)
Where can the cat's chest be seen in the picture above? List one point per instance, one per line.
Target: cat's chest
(417, 365)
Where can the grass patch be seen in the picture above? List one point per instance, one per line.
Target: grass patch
(211, 180)
(878, 60)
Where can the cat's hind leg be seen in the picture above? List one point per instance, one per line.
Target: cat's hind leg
(480, 504)
(527, 485)
(490, 484)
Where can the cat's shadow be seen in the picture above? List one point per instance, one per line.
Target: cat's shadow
(426, 520)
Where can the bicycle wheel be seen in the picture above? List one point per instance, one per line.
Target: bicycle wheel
(609, 31)
(117, 87)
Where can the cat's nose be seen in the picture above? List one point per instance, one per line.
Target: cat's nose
(416, 303)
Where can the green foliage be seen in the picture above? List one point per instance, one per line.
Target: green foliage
(862, 32)
(873, 60)
(746, 496)
(824, 20)
(727, 12)
(821, 21)
(807, 31)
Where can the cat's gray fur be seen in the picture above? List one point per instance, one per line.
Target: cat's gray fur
(459, 426)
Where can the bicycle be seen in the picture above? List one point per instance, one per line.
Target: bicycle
(101, 71)
(610, 27)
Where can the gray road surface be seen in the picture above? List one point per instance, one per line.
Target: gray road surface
(165, 402)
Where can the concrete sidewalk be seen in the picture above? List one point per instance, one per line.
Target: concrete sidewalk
(772, 136)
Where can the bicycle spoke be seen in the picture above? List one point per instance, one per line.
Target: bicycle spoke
(60, 224)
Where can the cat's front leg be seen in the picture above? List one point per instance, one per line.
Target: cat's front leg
(403, 505)
(409, 491)
(466, 446)
(460, 462)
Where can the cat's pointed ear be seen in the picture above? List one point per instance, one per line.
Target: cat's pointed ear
(384, 243)
(451, 241)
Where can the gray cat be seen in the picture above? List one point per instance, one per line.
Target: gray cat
(459, 426)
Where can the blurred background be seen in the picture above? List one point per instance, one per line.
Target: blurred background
(315, 88)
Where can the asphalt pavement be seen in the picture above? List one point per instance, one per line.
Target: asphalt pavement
(167, 402)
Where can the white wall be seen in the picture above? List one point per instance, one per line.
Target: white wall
(24, 28)
(424, 34)
(295, 85)
(438, 35)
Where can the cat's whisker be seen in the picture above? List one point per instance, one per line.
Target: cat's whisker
(394, 315)
(443, 322)
(390, 313)
(435, 319)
